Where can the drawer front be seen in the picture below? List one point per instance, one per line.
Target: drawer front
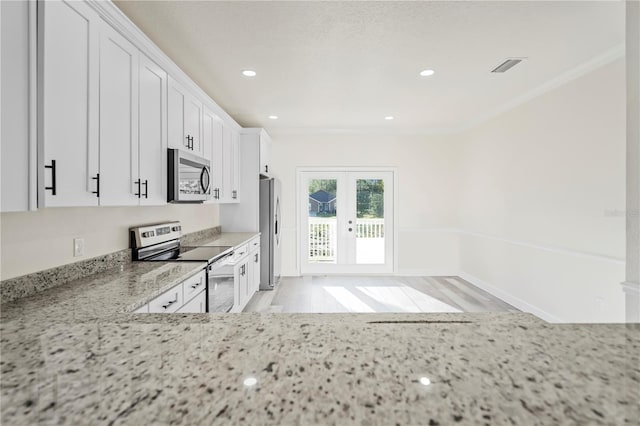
(169, 301)
(240, 252)
(254, 243)
(194, 285)
(196, 306)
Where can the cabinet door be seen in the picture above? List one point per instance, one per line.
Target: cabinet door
(193, 123)
(197, 305)
(212, 150)
(254, 273)
(265, 153)
(255, 276)
(118, 119)
(16, 51)
(68, 65)
(235, 166)
(176, 102)
(241, 273)
(227, 166)
(152, 127)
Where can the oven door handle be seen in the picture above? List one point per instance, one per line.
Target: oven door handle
(205, 187)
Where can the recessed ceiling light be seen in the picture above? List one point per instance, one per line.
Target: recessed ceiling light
(273, 117)
(427, 73)
(389, 117)
(249, 73)
(425, 381)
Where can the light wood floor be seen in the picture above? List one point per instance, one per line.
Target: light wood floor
(326, 294)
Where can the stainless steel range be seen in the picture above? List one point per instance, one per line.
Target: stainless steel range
(161, 242)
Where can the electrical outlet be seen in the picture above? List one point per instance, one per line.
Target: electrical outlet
(78, 247)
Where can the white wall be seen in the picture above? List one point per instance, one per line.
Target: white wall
(541, 191)
(43, 239)
(427, 180)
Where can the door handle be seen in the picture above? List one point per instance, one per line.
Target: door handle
(146, 188)
(203, 184)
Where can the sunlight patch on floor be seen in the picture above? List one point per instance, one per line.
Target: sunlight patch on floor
(348, 299)
(406, 299)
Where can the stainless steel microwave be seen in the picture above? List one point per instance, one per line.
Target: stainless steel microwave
(189, 177)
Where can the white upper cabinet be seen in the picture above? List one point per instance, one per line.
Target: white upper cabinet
(212, 129)
(152, 128)
(235, 166)
(265, 153)
(230, 167)
(118, 120)
(185, 119)
(260, 138)
(68, 60)
(18, 143)
(108, 111)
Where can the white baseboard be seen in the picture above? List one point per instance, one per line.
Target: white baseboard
(510, 299)
(424, 273)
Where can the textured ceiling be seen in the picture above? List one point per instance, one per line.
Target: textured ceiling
(347, 65)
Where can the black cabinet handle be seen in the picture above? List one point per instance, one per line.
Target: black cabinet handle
(234, 194)
(190, 142)
(171, 302)
(137, 183)
(97, 179)
(266, 168)
(256, 258)
(53, 177)
(146, 188)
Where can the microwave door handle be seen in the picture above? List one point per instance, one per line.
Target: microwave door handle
(204, 172)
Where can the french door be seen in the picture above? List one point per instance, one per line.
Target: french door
(346, 222)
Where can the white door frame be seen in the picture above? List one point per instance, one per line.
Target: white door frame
(343, 169)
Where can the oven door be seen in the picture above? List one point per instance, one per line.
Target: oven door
(189, 177)
(221, 287)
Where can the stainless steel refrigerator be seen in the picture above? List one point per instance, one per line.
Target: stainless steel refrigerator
(270, 233)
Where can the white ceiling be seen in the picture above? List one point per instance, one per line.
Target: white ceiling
(347, 65)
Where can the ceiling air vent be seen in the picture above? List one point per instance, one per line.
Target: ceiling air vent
(507, 65)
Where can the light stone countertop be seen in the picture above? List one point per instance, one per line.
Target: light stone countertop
(232, 239)
(71, 355)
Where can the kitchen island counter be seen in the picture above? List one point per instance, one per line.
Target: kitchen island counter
(66, 362)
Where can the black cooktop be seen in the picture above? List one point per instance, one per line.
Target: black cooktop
(195, 254)
(205, 253)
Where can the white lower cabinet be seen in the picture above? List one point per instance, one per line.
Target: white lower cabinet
(187, 297)
(197, 305)
(254, 272)
(169, 301)
(246, 273)
(241, 281)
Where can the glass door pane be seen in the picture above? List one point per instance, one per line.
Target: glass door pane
(369, 226)
(346, 221)
(322, 224)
